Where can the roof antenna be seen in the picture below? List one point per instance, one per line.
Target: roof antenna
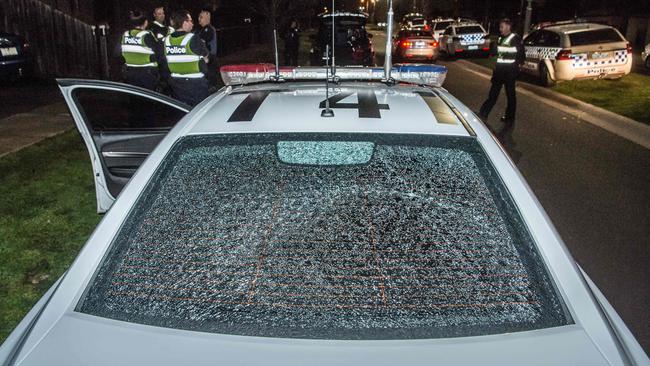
(388, 63)
(276, 77)
(327, 112)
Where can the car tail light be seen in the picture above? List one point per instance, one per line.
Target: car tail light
(459, 50)
(426, 27)
(564, 55)
(486, 48)
(407, 44)
(629, 49)
(434, 44)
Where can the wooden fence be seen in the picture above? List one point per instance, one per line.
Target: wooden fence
(63, 46)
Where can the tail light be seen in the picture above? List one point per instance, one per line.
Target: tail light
(459, 50)
(486, 48)
(434, 44)
(629, 49)
(407, 44)
(426, 27)
(564, 55)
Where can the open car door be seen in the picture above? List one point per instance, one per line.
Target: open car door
(121, 125)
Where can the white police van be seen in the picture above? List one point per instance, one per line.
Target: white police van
(574, 50)
(253, 230)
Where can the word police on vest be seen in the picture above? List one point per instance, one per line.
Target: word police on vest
(132, 40)
(176, 50)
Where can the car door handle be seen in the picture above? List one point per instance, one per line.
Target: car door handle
(124, 154)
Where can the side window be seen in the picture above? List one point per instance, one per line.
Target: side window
(553, 39)
(448, 31)
(531, 40)
(108, 110)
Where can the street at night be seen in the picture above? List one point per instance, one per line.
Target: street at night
(231, 197)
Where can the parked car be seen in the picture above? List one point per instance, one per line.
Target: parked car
(576, 50)
(465, 39)
(251, 230)
(415, 45)
(16, 58)
(439, 25)
(353, 44)
(645, 55)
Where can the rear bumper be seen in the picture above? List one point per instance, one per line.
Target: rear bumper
(421, 53)
(469, 50)
(565, 71)
(16, 67)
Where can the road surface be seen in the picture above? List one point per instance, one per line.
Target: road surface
(594, 185)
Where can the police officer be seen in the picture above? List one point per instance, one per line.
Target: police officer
(141, 52)
(186, 56)
(292, 44)
(158, 26)
(510, 55)
(208, 34)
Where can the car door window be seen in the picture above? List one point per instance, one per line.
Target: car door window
(532, 38)
(110, 110)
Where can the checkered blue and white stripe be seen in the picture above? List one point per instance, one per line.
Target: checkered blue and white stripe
(581, 60)
(475, 38)
(542, 53)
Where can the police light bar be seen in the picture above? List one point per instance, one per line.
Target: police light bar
(431, 75)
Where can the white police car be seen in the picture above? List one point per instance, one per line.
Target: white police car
(573, 50)
(255, 231)
(645, 55)
(465, 38)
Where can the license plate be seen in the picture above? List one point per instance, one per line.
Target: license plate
(601, 71)
(473, 47)
(419, 44)
(10, 51)
(600, 55)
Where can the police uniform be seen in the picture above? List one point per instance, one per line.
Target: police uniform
(142, 54)
(510, 55)
(209, 35)
(160, 30)
(184, 53)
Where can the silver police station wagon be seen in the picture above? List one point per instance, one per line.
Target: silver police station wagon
(251, 230)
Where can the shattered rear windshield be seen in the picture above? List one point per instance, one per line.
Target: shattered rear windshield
(326, 236)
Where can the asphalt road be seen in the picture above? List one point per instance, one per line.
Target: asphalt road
(594, 185)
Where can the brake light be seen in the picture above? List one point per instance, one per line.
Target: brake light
(564, 55)
(406, 44)
(426, 27)
(629, 49)
(486, 48)
(434, 44)
(459, 50)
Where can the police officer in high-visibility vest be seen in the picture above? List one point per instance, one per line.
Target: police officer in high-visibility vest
(159, 28)
(187, 57)
(510, 55)
(142, 53)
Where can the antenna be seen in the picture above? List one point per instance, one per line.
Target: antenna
(276, 77)
(333, 41)
(388, 63)
(327, 112)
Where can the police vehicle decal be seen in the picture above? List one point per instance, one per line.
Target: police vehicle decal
(582, 60)
(467, 39)
(356, 109)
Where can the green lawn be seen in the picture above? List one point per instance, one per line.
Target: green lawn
(629, 96)
(47, 211)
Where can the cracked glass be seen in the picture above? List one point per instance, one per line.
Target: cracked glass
(417, 238)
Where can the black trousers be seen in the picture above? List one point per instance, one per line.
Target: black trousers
(144, 77)
(190, 91)
(291, 56)
(502, 77)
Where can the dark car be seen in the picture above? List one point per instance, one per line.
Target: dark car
(15, 57)
(353, 45)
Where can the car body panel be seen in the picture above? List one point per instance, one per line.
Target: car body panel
(64, 336)
(455, 44)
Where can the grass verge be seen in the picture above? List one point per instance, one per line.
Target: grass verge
(47, 211)
(628, 96)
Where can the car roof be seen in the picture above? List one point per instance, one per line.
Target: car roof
(296, 107)
(575, 27)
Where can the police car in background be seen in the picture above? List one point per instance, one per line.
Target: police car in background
(464, 38)
(256, 229)
(573, 50)
(439, 25)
